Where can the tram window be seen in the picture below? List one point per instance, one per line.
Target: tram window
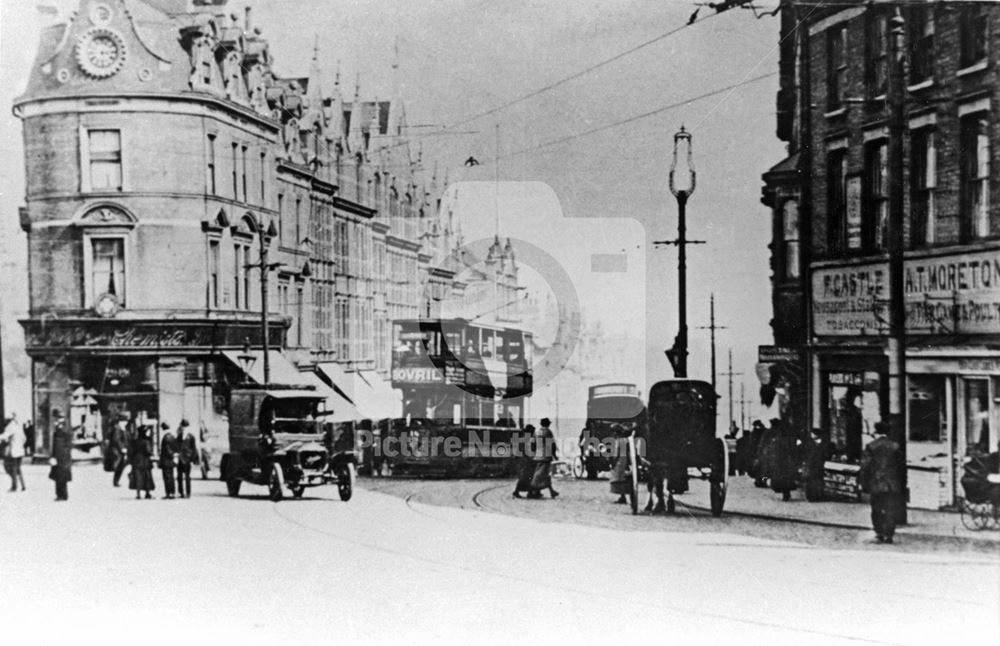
(453, 342)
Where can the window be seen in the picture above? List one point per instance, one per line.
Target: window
(243, 168)
(876, 210)
(107, 269)
(977, 415)
(920, 24)
(300, 313)
(214, 266)
(926, 414)
(877, 70)
(298, 220)
(281, 219)
(236, 164)
(342, 316)
(241, 276)
(263, 176)
(211, 164)
(923, 180)
(975, 173)
(836, 170)
(105, 158)
(836, 68)
(972, 34)
(790, 226)
(206, 72)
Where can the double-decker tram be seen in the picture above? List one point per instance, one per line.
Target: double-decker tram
(464, 386)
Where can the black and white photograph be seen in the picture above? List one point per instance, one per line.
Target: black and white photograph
(498, 321)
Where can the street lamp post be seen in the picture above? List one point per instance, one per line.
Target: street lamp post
(681, 190)
(265, 235)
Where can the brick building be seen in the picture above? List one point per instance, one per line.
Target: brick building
(164, 161)
(830, 201)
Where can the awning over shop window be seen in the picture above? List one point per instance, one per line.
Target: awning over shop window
(282, 370)
(390, 400)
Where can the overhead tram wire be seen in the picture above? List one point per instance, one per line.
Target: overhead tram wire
(638, 117)
(558, 83)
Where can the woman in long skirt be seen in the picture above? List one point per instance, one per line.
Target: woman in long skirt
(545, 453)
(621, 472)
(525, 466)
(141, 456)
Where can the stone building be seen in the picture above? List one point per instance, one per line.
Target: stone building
(167, 166)
(830, 201)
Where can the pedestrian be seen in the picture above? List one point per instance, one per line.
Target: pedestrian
(168, 450)
(141, 460)
(206, 461)
(118, 441)
(754, 456)
(783, 469)
(29, 437)
(525, 464)
(187, 454)
(881, 476)
(13, 438)
(544, 455)
(61, 462)
(621, 471)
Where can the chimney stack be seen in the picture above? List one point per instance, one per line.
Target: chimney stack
(248, 27)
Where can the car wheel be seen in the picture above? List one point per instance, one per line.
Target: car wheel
(276, 483)
(233, 487)
(345, 483)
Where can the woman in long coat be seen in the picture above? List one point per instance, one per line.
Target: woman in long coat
(545, 453)
(525, 465)
(141, 458)
(62, 456)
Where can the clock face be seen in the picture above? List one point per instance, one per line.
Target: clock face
(100, 52)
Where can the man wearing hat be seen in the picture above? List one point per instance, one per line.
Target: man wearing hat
(187, 454)
(61, 462)
(880, 475)
(117, 443)
(168, 450)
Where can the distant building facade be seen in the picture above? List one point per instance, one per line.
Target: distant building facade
(163, 156)
(830, 215)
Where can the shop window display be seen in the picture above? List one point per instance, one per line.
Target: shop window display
(853, 405)
(977, 416)
(926, 414)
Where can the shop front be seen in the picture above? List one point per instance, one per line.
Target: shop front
(94, 370)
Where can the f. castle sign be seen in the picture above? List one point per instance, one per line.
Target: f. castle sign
(955, 294)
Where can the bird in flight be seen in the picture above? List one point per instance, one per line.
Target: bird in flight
(471, 161)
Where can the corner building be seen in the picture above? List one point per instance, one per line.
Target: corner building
(830, 201)
(164, 161)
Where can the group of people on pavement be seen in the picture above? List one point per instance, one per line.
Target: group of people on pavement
(136, 450)
(535, 466)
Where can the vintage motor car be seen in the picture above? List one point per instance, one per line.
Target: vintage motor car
(278, 438)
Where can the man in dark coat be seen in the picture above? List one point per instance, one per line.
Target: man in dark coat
(62, 455)
(525, 463)
(187, 454)
(544, 455)
(168, 450)
(118, 442)
(881, 470)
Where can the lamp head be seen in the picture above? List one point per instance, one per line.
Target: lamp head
(683, 156)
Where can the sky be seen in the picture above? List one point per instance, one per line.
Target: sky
(459, 59)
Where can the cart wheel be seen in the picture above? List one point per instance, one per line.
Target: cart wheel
(717, 478)
(577, 467)
(276, 483)
(233, 487)
(345, 484)
(298, 490)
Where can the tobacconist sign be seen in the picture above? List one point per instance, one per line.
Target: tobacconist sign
(851, 301)
(953, 294)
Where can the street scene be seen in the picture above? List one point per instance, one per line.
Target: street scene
(470, 322)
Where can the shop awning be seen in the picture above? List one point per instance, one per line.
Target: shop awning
(282, 370)
(389, 400)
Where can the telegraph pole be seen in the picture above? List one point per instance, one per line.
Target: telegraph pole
(731, 374)
(897, 314)
(713, 327)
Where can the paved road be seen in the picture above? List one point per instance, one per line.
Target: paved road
(589, 503)
(106, 568)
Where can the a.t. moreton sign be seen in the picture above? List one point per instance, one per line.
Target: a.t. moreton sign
(957, 294)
